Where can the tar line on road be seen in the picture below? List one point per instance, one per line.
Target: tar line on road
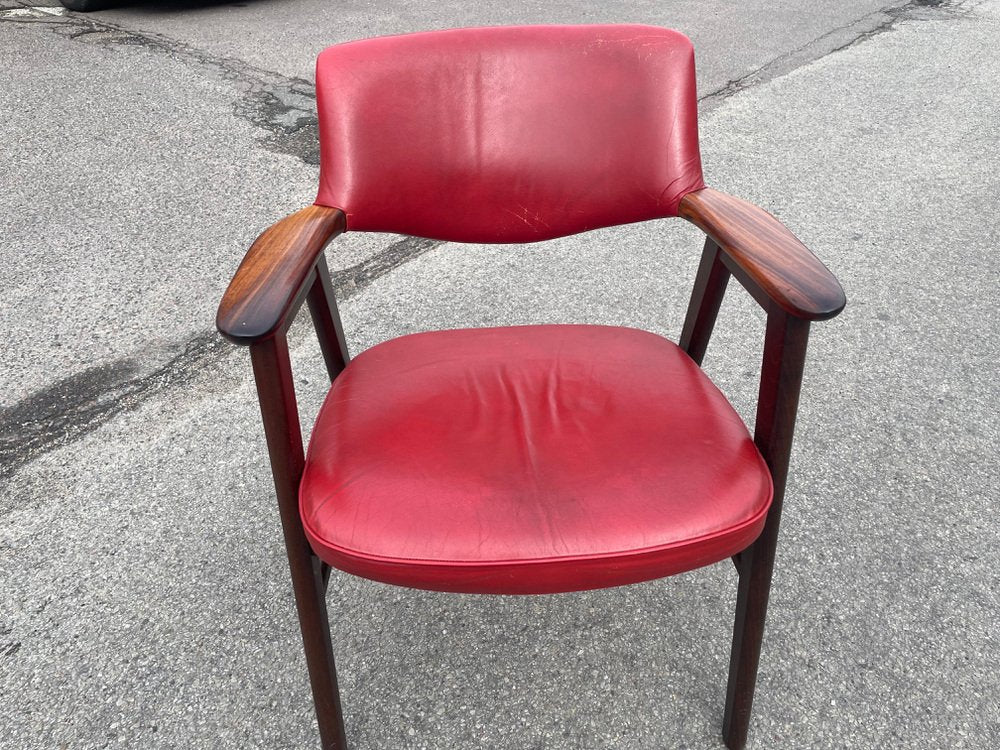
(75, 406)
(835, 40)
(284, 108)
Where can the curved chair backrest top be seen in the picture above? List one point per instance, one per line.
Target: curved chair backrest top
(508, 134)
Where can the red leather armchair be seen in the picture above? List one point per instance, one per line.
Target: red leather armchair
(534, 459)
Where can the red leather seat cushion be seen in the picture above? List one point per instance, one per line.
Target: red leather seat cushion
(531, 459)
(508, 134)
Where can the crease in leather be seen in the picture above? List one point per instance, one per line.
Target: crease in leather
(536, 458)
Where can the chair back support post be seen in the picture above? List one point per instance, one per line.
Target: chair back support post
(706, 299)
(781, 378)
(778, 398)
(276, 392)
(326, 320)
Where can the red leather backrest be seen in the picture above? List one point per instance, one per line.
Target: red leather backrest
(508, 134)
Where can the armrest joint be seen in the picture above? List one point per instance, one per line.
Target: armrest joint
(765, 256)
(273, 278)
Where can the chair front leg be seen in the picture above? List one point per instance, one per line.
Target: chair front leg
(780, 382)
(275, 389)
(310, 600)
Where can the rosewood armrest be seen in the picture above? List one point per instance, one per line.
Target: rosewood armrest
(765, 256)
(273, 277)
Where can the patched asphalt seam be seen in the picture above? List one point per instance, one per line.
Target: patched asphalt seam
(283, 106)
(7, 647)
(835, 40)
(72, 408)
(350, 281)
(75, 406)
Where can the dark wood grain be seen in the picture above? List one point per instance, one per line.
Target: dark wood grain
(777, 404)
(706, 299)
(765, 256)
(285, 267)
(326, 321)
(273, 374)
(272, 279)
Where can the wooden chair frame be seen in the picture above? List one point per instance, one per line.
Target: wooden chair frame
(286, 266)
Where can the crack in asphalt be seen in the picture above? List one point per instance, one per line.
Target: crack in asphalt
(351, 280)
(836, 39)
(284, 107)
(75, 406)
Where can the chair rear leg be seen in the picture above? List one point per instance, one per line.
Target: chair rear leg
(756, 566)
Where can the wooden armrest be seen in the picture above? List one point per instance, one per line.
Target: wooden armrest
(768, 259)
(272, 276)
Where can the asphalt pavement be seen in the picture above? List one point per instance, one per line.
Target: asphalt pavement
(144, 598)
